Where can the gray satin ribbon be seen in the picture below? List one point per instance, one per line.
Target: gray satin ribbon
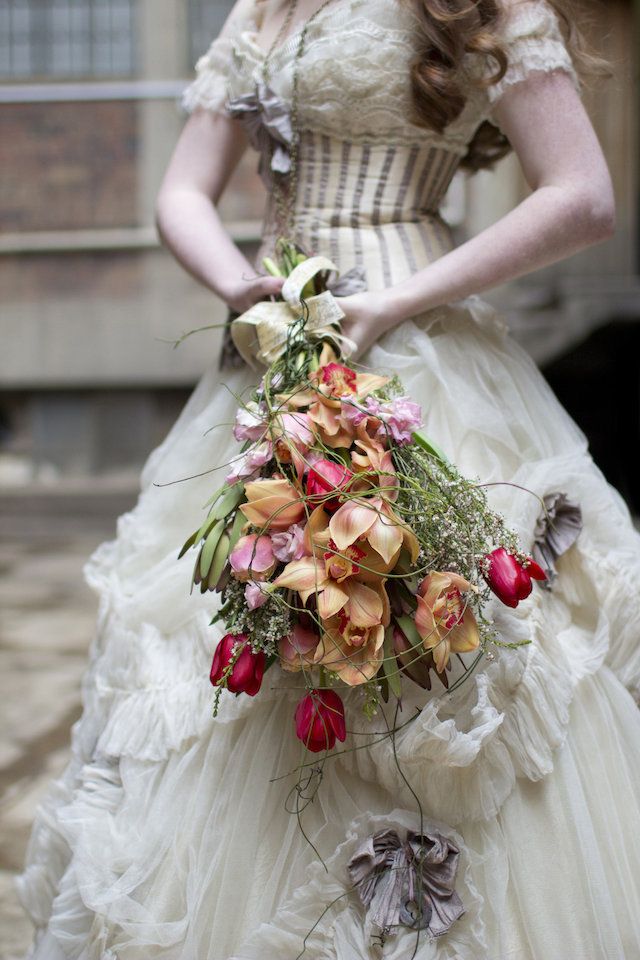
(353, 281)
(409, 882)
(557, 528)
(267, 120)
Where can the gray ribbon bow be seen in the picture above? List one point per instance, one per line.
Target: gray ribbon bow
(353, 281)
(408, 882)
(557, 529)
(267, 121)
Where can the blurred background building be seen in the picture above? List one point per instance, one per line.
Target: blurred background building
(88, 299)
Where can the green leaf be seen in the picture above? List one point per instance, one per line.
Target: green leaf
(220, 558)
(410, 630)
(236, 529)
(429, 446)
(228, 502)
(188, 544)
(215, 496)
(209, 548)
(203, 532)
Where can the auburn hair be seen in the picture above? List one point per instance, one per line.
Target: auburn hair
(449, 29)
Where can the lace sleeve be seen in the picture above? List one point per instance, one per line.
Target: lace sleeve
(210, 89)
(533, 42)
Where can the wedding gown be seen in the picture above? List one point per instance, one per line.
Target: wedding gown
(168, 837)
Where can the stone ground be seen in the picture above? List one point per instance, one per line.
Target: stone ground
(46, 624)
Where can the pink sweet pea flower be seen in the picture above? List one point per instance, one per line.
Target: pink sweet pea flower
(250, 463)
(254, 595)
(252, 558)
(250, 422)
(289, 544)
(402, 416)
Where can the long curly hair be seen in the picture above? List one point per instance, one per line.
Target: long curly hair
(449, 29)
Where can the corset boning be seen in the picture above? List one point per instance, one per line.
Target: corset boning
(373, 206)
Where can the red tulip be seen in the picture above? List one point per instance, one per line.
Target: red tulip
(320, 720)
(509, 579)
(247, 671)
(326, 477)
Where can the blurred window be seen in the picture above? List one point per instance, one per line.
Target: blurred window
(205, 20)
(66, 38)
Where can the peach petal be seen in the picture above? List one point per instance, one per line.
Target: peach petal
(465, 635)
(365, 607)
(351, 521)
(386, 536)
(305, 574)
(425, 622)
(331, 599)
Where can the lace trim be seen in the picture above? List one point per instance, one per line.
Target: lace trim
(210, 88)
(532, 55)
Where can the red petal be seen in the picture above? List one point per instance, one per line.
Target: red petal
(535, 570)
(304, 716)
(335, 713)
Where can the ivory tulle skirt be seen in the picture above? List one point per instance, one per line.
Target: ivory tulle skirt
(170, 838)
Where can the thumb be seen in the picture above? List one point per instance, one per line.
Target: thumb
(268, 286)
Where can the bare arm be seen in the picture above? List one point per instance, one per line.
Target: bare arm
(204, 158)
(571, 207)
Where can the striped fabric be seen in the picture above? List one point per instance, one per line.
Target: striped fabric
(372, 205)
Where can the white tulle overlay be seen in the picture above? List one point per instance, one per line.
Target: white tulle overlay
(170, 835)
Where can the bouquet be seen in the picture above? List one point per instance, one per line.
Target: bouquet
(344, 544)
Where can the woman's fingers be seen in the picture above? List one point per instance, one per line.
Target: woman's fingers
(250, 292)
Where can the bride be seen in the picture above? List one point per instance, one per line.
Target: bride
(170, 836)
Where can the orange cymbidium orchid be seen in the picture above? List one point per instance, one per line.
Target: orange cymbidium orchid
(330, 382)
(371, 519)
(319, 542)
(444, 620)
(354, 653)
(327, 385)
(375, 466)
(363, 604)
(336, 577)
(273, 504)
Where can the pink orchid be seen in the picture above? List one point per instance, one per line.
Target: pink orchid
(289, 544)
(252, 558)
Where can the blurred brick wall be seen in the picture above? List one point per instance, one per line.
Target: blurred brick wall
(68, 165)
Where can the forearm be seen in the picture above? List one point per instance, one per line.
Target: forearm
(550, 225)
(190, 227)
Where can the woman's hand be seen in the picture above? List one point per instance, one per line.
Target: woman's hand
(246, 292)
(367, 316)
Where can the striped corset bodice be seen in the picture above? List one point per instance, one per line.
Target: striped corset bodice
(373, 206)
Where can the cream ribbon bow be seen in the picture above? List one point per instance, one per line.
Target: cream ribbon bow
(261, 333)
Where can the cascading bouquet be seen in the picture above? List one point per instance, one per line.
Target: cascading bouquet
(344, 544)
